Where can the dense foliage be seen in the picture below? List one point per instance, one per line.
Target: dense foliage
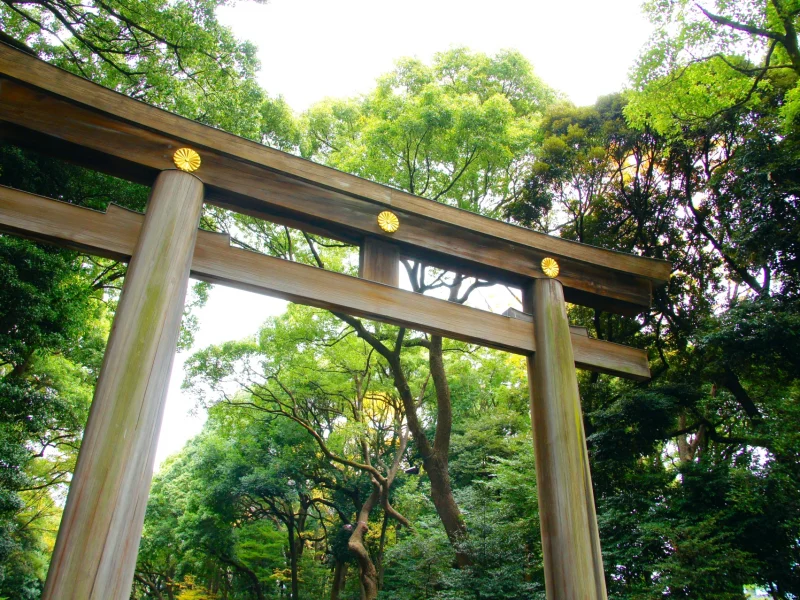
(348, 459)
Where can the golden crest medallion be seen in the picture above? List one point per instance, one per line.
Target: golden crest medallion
(388, 221)
(186, 159)
(550, 267)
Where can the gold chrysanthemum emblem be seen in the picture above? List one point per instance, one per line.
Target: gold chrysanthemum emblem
(186, 159)
(550, 267)
(388, 221)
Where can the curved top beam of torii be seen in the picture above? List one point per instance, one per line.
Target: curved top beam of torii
(50, 109)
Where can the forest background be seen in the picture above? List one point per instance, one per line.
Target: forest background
(347, 459)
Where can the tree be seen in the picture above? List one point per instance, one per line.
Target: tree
(174, 55)
(234, 512)
(456, 131)
(492, 477)
(52, 323)
(708, 58)
(336, 391)
(671, 458)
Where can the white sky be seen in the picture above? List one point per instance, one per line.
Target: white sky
(312, 49)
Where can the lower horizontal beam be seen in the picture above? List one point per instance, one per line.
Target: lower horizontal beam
(114, 234)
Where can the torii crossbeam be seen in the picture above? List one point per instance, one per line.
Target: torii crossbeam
(45, 108)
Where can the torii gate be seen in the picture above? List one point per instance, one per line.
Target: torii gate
(50, 110)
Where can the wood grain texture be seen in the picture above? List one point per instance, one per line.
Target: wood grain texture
(570, 542)
(98, 540)
(114, 234)
(254, 177)
(379, 261)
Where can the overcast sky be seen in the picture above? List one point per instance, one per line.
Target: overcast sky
(313, 49)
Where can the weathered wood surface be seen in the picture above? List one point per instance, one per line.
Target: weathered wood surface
(133, 138)
(95, 553)
(573, 563)
(114, 234)
(379, 261)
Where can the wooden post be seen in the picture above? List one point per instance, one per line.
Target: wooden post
(379, 261)
(95, 553)
(573, 563)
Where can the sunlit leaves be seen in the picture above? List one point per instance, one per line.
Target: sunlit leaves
(708, 58)
(454, 131)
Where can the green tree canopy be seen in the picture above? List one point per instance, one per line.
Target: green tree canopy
(457, 130)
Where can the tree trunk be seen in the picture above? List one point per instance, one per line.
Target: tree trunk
(249, 573)
(438, 462)
(339, 578)
(684, 451)
(381, 549)
(446, 507)
(367, 572)
(293, 563)
(435, 457)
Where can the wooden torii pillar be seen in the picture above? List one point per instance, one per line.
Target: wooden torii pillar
(573, 563)
(95, 552)
(51, 111)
